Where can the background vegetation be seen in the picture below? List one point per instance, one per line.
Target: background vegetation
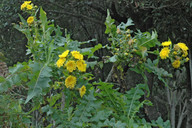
(85, 20)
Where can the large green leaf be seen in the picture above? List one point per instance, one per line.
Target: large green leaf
(146, 39)
(113, 59)
(111, 97)
(23, 20)
(110, 26)
(132, 98)
(39, 79)
(160, 72)
(43, 17)
(90, 51)
(125, 25)
(85, 110)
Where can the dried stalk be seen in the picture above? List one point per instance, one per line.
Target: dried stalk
(182, 115)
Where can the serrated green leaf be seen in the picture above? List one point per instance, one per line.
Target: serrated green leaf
(43, 16)
(90, 51)
(96, 47)
(110, 26)
(101, 115)
(125, 25)
(39, 80)
(91, 64)
(113, 59)
(160, 72)
(146, 39)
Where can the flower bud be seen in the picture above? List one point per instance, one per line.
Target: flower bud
(176, 47)
(118, 31)
(187, 59)
(130, 42)
(175, 53)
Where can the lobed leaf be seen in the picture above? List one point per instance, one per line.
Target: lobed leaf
(39, 79)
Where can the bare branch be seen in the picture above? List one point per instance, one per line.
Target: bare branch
(182, 115)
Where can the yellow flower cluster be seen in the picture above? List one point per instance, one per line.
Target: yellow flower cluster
(70, 83)
(177, 55)
(62, 59)
(181, 48)
(80, 64)
(27, 5)
(164, 53)
(180, 52)
(74, 61)
(71, 65)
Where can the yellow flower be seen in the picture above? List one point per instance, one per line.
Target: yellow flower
(176, 47)
(77, 55)
(71, 65)
(185, 53)
(70, 82)
(81, 65)
(166, 43)
(82, 91)
(176, 64)
(30, 20)
(64, 54)
(187, 59)
(23, 6)
(164, 53)
(60, 62)
(183, 46)
(175, 53)
(27, 2)
(29, 7)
